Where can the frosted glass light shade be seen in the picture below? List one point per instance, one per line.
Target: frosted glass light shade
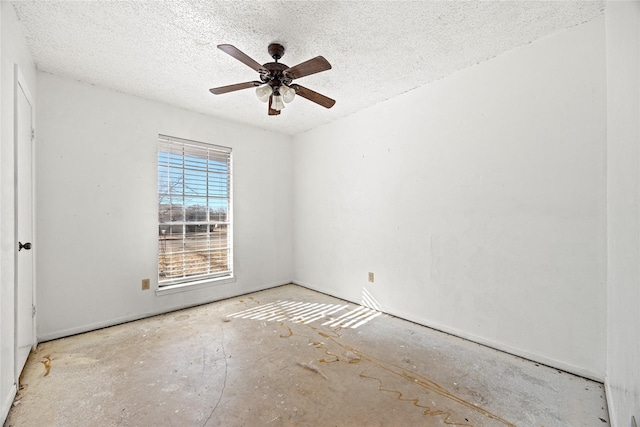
(264, 92)
(287, 93)
(277, 103)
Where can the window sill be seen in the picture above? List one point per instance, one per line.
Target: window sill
(192, 286)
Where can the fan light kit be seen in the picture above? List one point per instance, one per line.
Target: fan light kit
(276, 79)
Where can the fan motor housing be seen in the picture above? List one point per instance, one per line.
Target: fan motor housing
(276, 76)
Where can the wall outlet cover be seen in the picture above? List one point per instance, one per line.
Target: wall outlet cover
(146, 284)
(371, 277)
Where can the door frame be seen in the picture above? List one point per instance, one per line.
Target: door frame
(20, 84)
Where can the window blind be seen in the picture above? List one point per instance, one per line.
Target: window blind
(194, 211)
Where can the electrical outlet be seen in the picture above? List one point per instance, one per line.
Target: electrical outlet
(371, 277)
(146, 284)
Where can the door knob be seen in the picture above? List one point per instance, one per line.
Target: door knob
(25, 246)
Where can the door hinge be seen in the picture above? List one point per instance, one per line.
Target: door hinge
(33, 310)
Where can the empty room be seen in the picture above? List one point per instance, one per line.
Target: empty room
(319, 213)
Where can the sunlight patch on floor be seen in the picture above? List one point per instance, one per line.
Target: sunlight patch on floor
(307, 312)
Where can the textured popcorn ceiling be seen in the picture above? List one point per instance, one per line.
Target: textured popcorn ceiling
(166, 50)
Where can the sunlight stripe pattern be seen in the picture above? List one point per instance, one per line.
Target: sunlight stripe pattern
(307, 312)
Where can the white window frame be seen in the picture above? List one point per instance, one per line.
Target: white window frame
(189, 282)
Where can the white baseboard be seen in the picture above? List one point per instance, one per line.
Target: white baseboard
(505, 348)
(554, 363)
(6, 405)
(608, 394)
(133, 317)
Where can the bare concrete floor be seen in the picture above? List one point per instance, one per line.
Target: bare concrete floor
(252, 361)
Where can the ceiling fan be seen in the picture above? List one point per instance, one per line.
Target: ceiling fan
(276, 79)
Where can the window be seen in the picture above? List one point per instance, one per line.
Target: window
(194, 211)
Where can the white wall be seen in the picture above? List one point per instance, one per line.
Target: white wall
(478, 201)
(13, 51)
(97, 205)
(623, 161)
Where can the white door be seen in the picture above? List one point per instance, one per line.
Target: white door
(24, 292)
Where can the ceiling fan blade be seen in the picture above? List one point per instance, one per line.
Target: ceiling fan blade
(239, 86)
(242, 57)
(314, 96)
(272, 112)
(307, 68)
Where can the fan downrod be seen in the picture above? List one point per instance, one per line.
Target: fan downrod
(276, 51)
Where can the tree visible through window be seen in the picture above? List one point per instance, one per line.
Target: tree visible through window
(194, 205)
